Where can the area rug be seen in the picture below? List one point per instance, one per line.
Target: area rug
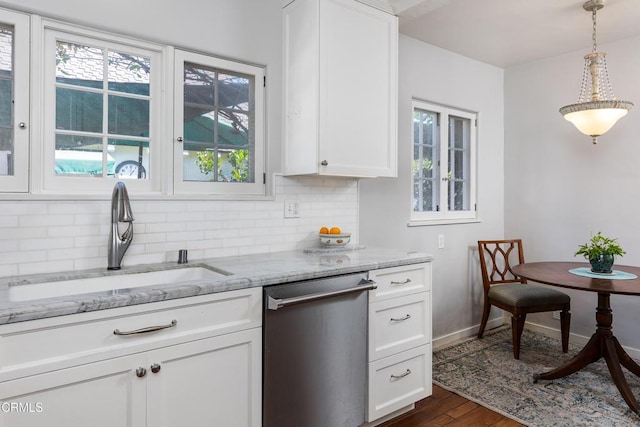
(484, 371)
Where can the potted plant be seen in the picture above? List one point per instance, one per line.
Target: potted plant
(600, 252)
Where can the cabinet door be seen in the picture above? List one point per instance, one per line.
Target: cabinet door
(14, 102)
(210, 382)
(398, 324)
(358, 89)
(400, 281)
(101, 394)
(398, 381)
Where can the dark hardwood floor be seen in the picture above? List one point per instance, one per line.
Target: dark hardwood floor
(444, 408)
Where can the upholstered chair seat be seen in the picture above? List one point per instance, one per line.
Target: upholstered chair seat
(505, 290)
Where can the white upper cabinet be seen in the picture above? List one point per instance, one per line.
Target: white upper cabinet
(340, 83)
(14, 102)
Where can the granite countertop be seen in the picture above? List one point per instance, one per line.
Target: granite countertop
(246, 271)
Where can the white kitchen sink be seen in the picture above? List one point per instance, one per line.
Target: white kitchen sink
(114, 282)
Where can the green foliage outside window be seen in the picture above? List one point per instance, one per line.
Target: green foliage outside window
(238, 162)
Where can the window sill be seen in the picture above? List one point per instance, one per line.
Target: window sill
(137, 196)
(425, 223)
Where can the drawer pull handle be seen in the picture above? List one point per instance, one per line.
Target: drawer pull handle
(402, 319)
(402, 375)
(146, 330)
(404, 282)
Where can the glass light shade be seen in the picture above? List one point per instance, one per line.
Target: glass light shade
(597, 121)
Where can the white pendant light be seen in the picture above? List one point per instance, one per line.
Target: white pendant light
(597, 109)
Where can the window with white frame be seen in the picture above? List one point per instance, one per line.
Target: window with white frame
(219, 126)
(444, 164)
(101, 107)
(14, 101)
(101, 110)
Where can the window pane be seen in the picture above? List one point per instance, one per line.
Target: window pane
(459, 191)
(6, 151)
(6, 97)
(425, 154)
(81, 155)
(128, 116)
(79, 65)
(78, 110)
(425, 196)
(218, 125)
(6, 100)
(129, 73)
(131, 158)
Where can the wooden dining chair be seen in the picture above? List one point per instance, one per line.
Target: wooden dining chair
(511, 293)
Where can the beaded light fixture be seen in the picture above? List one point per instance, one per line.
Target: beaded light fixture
(597, 109)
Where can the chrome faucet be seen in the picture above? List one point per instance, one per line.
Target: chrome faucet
(120, 212)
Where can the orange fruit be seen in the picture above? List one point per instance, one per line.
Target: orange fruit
(324, 230)
(335, 230)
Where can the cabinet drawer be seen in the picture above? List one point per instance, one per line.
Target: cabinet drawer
(399, 324)
(398, 281)
(398, 381)
(31, 347)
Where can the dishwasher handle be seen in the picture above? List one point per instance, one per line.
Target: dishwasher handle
(276, 303)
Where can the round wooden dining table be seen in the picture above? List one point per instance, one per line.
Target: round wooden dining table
(603, 344)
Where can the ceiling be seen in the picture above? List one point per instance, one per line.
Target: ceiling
(509, 32)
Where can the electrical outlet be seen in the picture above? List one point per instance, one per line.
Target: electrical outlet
(291, 209)
(556, 314)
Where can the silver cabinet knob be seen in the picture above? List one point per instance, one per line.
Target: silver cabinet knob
(324, 163)
(22, 125)
(155, 368)
(179, 139)
(141, 372)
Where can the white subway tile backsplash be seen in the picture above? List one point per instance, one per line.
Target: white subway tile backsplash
(186, 217)
(148, 217)
(8, 270)
(23, 257)
(44, 220)
(45, 267)
(45, 244)
(73, 254)
(9, 221)
(164, 227)
(22, 208)
(55, 236)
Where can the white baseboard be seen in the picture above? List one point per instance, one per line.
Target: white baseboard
(580, 340)
(465, 333)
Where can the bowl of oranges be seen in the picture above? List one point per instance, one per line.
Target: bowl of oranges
(333, 236)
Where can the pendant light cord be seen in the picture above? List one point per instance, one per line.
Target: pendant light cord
(593, 17)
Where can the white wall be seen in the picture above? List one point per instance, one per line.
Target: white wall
(51, 236)
(560, 188)
(439, 76)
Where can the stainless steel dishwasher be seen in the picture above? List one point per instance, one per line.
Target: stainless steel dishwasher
(315, 352)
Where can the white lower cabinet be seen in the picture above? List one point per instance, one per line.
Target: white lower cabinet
(211, 382)
(399, 339)
(100, 394)
(399, 380)
(192, 373)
